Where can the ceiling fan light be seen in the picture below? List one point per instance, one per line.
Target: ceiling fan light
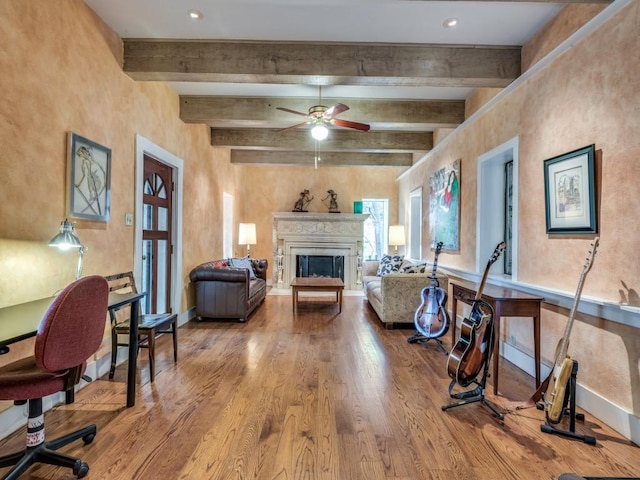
(319, 132)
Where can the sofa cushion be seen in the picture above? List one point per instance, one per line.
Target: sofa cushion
(243, 262)
(389, 264)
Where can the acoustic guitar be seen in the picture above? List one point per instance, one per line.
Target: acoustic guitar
(555, 395)
(475, 343)
(431, 317)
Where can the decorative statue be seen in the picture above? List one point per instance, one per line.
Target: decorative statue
(303, 202)
(333, 203)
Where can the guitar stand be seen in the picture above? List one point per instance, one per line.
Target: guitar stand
(570, 412)
(472, 396)
(419, 338)
(477, 394)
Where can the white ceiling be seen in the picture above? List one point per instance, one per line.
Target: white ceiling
(379, 21)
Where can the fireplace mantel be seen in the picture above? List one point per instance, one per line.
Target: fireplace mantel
(302, 233)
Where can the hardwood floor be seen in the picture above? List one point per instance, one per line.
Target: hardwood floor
(318, 395)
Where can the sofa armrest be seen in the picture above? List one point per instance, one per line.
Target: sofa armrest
(370, 268)
(260, 266)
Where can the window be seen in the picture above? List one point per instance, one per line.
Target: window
(415, 225)
(227, 225)
(375, 242)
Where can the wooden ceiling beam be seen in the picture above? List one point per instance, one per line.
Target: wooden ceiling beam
(326, 159)
(321, 63)
(339, 140)
(261, 112)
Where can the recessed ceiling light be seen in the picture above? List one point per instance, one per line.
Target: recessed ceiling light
(450, 22)
(195, 15)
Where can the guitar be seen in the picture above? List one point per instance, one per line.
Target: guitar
(431, 318)
(554, 397)
(473, 348)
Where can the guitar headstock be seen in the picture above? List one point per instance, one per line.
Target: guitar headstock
(439, 246)
(592, 254)
(497, 252)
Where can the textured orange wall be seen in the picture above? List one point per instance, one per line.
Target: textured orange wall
(266, 189)
(567, 22)
(61, 72)
(588, 95)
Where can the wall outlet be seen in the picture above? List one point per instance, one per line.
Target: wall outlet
(128, 219)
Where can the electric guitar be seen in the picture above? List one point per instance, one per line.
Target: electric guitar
(475, 344)
(431, 317)
(554, 397)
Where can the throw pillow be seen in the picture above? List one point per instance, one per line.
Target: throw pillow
(220, 263)
(389, 264)
(415, 268)
(243, 262)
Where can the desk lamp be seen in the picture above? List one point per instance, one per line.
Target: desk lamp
(247, 235)
(67, 239)
(396, 236)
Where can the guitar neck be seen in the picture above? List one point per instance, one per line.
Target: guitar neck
(564, 344)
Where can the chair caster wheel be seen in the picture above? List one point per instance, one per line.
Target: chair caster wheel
(87, 439)
(80, 469)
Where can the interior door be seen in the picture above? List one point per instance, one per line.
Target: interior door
(157, 246)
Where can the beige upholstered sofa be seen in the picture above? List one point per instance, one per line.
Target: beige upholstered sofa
(395, 297)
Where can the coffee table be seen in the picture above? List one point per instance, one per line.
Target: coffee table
(316, 284)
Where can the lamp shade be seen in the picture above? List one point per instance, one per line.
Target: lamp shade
(396, 235)
(66, 238)
(247, 234)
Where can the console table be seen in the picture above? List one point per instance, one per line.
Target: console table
(505, 303)
(19, 322)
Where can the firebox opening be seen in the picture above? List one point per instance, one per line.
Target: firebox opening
(331, 266)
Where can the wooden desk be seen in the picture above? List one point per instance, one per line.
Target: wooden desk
(19, 322)
(316, 284)
(506, 303)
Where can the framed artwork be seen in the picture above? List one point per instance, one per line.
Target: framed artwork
(444, 207)
(89, 173)
(569, 192)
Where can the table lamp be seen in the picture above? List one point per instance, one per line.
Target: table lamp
(67, 239)
(247, 235)
(396, 236)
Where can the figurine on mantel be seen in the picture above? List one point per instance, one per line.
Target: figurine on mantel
(333, 203)
(303, 202)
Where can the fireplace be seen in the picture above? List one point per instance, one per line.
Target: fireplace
(307, 244)
(331, 266)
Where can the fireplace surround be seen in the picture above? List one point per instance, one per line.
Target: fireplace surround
(317, 235)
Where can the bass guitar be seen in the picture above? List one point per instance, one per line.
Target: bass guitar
(555, 396)
(475, 344)
(431, 317)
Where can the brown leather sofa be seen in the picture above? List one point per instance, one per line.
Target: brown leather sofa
(226, 292)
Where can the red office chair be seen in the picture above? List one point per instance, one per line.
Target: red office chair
(70, 332)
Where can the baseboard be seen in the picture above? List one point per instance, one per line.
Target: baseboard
(625, 423)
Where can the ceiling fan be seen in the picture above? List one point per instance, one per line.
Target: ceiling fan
(321, 116)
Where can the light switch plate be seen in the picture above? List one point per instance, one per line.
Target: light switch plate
(128, 219)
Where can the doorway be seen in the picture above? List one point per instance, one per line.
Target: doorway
(157, 245)
(146, 148)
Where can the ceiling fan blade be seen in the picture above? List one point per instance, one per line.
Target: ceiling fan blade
(291, 111)
(348, 124)
(297, 125)
(337, 109)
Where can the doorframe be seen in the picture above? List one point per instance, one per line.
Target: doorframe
(147, 147)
